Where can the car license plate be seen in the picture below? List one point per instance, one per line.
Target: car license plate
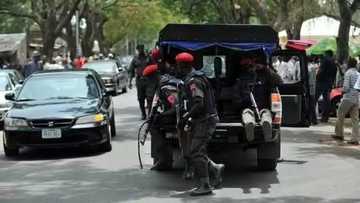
(51, 133)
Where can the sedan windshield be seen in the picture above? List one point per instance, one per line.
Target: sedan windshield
(59, 87)
(101, 68)
(5, 83)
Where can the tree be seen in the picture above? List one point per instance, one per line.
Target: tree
(51, 16)
(137, 20)
(346, 11)
(281, 14)
(213, 11)
(9, 24)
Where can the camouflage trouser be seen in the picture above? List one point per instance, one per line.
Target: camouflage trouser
(145, 91)
(160, 150)
(201, 132)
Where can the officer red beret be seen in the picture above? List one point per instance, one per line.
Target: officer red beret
(184, 57)
(155, 54)
(149, 70)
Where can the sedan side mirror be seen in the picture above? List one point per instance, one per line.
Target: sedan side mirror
(10, 96)
(106, 93)
(21, 82)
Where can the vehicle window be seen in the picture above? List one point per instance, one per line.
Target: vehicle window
(5, 84)
(61, 87)
(288, 67)
(102, 68)
(214, 66)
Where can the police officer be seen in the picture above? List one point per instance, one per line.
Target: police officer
(136, 69)
(197, 100)
(162, 112)
(33, 66)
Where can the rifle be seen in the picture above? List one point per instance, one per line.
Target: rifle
(150, 122)
(183, 129)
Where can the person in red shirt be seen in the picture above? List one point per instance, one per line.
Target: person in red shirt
(79, 62)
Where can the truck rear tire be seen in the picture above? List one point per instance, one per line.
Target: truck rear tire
(267, 164)
(268, 154)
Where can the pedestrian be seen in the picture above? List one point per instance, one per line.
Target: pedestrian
(66, 64)
(325, 79)
(312, 69)
(136, 68)
(199, 119)
(284, 69)
(33, 66)
(349, 104)
(79, 62)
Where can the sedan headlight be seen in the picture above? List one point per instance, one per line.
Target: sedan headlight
(96, 118)
(10, 123)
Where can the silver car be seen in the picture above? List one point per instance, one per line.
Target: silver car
(7, 85)
(114, 77)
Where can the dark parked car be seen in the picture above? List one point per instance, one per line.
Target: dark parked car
(114, 76)
(60, 109)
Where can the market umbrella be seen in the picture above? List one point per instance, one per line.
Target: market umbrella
(322, 46)
(300, 45)
(330, 44)
(354, 49)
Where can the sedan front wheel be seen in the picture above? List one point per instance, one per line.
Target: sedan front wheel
(106, 146)
(10, 152)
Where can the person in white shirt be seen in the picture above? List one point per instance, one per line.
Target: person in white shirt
(349, 104)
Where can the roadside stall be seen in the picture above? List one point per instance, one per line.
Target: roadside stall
(13, 48)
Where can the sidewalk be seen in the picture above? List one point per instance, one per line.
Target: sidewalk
(325, 130)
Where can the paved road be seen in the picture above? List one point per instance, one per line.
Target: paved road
(311, 171)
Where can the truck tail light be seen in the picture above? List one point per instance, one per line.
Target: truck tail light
(276, 108)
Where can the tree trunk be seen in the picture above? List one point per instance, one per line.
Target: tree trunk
(48, 45)
(295, 29)
(342, 41)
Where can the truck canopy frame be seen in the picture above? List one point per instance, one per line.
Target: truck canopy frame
(195, 37)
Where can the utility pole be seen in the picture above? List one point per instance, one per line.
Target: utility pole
(78, 52)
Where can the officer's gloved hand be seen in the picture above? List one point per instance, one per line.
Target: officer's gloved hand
(156, 117)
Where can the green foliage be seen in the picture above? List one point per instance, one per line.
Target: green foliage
(138, 20)
(10, 24)
(199, 11)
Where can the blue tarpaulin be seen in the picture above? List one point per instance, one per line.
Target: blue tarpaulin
(268, 48)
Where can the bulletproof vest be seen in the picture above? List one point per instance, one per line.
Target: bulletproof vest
(209, 97)
(140, 63)
(167, 87)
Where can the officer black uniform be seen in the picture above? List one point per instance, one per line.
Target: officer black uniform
(198, 102)
(145, 86)
(164, 122)
(164, 112)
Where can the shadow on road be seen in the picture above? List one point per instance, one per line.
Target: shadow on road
(80, 181)
(333, 150)
(31, 154)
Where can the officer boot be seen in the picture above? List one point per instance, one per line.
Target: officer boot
(217, 171)
(203, 189)
(188, 171)
(248, 118)
(266, 123)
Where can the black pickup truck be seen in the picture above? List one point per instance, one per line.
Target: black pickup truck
(287, 102)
